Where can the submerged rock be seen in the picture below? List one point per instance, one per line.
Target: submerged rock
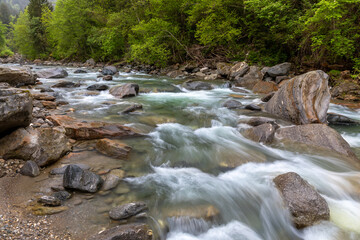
(302, 100)
(83, 180)
(98, 87)
(197, 85)
(91, 130)
(52, 73)
(30, 169)
(111, 182)
(125, 90)
(135, 231)
(132, 108)
(306, 206)
(127, 210)
(15, 109)
(17, 76)
(232, 104)
(113, 148)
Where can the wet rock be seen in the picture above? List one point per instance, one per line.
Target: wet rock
(49, 104)
(98, 87)
(279, 70)
(49, 201)
(108, 78)
(239, 70)
(134, 231)
(125, 90)
(239, 90)
(233, 104)
(41, 145)
(113, 149)
(223, 68)
(253, 107)
(305, 204)
(80, 71)
(302, 100)
(250, 79)
(316, 135)
(257, 121)
(267, 97)
(337, 119)
(61, 170)
(43, 97)
(91, 130)
(118, 172)
(90, 62)
(83, 180)
(109, 70)
(61, 195)
(43, 210)
(206, 212)
(263, 133)
(16, 76)
(30, 169)
(44, 89)
(59, 103)
(111, 182)
(265, 87)
(132, 108)
(197, 85)
(52, 73)
(127, 210)
(66, 84)
(15, 109)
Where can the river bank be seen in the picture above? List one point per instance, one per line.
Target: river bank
(190, 148)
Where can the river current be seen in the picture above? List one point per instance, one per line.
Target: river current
(199, 176)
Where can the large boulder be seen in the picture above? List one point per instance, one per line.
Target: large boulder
(41, 145)
(223, 68)
(265, 87)
(17, 76)
(125, 90)
(239, 70)
(109, 70)
(127, 210)
(113, 149)
(197, 85)
(302, 100)
(250, 79)
(15, 109)
(135, 231)
(305, 204)
(82, 180)
(52, 73)
(318, 136)
(82, 130)
(278, 70)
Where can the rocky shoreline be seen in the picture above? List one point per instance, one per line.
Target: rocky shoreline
(36, 133)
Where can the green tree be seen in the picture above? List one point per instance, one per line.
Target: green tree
(4, 13)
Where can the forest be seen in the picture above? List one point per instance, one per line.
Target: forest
(316, 33)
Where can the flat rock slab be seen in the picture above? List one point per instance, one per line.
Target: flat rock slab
(78, 130)
(113, 149)
(305, 204)
(43, 97)
(134, 231)
(17, 76)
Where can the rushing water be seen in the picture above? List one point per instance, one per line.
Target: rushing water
(200, 177)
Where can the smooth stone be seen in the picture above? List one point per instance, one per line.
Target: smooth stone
(253, 107)
(83, 180)
(125, 90)
(111, 182)
(49, 201)
(30, 169)
(232, 104)
(127, 210)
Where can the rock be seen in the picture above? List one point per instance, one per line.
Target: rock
(66, 84)
(279, 79)
(302, 100)
(253, 107)
(132, 108)
(263, 133)
(61, 170)
(90, 62)
(109, 70)
(125, 90)
(200, 75)
(30, 169)
(80, 71)
(232, 104)
(43, 210)
(135, 231)
(205, 211)
(265, 87)
(61, 195)
(267, 97)
(337, 119)
(41, 145)
(91, 130)
(257, 121)
(127, 210)
(113, 149)
(250, 79)
(223, 68)
(98, 87)
(49, 105)
(211, 77)
(52, 73)
(175, 74)
(16, 76)
(239, 70)
(49, 201)
(111, 182)
(43, 97)
(316, 135)
(197, 85)
(279, 70)
(44, 89)
(83, 180)
(108, 78)
(346, 91)
(305, 204)
(238, 90)
(16, 108)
